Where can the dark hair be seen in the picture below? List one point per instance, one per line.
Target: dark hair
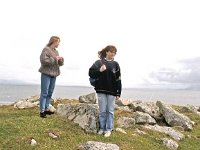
(52, 40)
(102, 53)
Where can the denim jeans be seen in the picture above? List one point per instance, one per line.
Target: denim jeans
(106, 111)
(47, 88)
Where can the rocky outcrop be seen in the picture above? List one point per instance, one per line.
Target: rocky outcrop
(85, 115)
(174, 118)
(146, 114)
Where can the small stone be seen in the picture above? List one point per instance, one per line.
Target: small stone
(52, 135)
(33, 142)
(120, 130)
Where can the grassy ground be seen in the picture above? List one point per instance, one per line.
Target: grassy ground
(17, 127)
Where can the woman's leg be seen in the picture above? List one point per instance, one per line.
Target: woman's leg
(110, 112)
(102, 101)
(50, 92)
(45, 82)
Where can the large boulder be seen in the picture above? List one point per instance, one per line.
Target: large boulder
(174, 118)
(85, 115)
(143, 118)
(147, 107)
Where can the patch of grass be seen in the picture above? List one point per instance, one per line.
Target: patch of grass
(17, 127)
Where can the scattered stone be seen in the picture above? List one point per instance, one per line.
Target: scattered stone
(167, 130)
(125, 122)
(33, 142)
(52, 135)
(169, 143)
(140, 131)
(121, 130)
(93, 145)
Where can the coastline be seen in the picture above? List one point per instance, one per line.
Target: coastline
(10, 94)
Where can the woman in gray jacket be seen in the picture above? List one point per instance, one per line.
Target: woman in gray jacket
(50, 69)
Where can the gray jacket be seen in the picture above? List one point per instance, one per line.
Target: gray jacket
(49, 64)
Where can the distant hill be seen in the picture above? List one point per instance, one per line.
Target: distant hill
(4, 81)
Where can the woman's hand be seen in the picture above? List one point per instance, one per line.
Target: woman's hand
(58, 58)
(103, 68)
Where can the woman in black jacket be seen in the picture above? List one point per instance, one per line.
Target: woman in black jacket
(107, 75)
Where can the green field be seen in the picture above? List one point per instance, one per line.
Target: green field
(17, 127)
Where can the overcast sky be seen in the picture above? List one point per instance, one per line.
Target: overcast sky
(158, 41)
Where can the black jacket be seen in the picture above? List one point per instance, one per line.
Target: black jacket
(109, 81)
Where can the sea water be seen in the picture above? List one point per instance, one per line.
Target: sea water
(12, 93)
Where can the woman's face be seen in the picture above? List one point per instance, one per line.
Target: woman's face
(110, 55)
(56, 43)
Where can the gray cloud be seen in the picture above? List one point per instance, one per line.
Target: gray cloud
(189, 73)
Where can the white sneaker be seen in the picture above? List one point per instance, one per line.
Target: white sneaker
(101, 132)
(107, 134)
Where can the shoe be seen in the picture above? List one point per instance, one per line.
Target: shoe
(101, 132)
(48, 112)
(107, 134)
(42, 115)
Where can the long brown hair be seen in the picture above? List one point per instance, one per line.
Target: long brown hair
(52, 40)
(102, 53)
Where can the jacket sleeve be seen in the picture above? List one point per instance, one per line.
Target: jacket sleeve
(118, 81)
(46, 59)
(61, 62)
(94, 69)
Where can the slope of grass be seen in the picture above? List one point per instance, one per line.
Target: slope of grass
(17, 127)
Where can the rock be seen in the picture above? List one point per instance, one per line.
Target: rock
(33, 142)
(173, 117)
(167, 130)
(125, 122)
(29, 102)
(120, 130)
(24, 104)
(146, 107)
(169, 143)
(52, 135)
(85, 115)
(140, 132)
(89, 98)
(143, 118)
(93, 145)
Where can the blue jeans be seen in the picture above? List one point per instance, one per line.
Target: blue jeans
(106, 111)
(47, 88)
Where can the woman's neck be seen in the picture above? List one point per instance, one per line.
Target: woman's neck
(109, 59)
(52, 47)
